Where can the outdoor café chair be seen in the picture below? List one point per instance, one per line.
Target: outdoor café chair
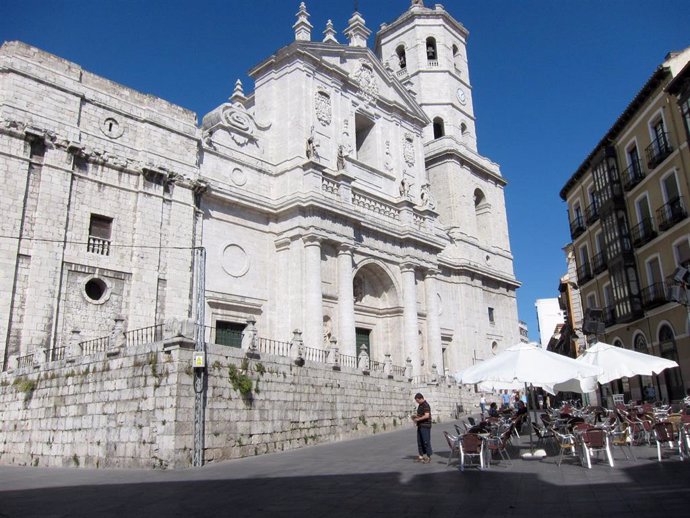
(500, 444)
(544, 435)
(595, 440)
(566, 443)
(666, 437)
(620, 436)
(471, 447)
(452, 441)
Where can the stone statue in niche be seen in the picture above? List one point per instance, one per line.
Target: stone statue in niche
(388, 163)
(404, 188)
(311, 150)
(340, 160)
(358, 289)
(427, 200)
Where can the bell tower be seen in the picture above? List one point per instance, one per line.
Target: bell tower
(426, 48)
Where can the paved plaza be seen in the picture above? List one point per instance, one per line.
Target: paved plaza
(374, 476)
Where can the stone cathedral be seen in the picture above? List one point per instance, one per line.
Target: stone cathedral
(344, 197)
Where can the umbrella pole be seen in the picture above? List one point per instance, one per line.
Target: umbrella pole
(529, 422)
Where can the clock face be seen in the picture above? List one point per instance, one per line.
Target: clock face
(461, 96)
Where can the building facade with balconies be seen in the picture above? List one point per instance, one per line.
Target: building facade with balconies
(628, 216)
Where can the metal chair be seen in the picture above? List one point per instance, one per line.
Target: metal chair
(595, 440)
(566, 442)
(666, 437)
(621, 437)
(452, 441)
(471, 447)
(500, 444)
(544, 435)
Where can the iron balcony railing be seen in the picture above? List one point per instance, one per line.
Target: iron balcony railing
(577, 227)
(584, 273)
(671, 213)
(592, 213)
(609, 315)
(643, 232)
(654, 295)
(658, 150)
(599, 262)
(632, 175)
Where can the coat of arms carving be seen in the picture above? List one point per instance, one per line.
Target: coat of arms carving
(366, 79)
(322, 107)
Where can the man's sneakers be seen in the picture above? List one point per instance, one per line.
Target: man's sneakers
(424, 459)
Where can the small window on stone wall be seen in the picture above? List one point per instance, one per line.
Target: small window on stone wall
(229, 333)
(100, 228)
(96, 290)
(439, 128)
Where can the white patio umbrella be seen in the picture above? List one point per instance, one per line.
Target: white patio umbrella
(525, 364)
(528, 364)
(615, 363)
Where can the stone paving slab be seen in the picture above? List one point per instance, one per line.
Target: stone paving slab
(374, 476)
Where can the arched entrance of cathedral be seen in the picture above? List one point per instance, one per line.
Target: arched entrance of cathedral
(378, 313)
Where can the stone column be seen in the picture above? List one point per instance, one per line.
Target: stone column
(410, 324)
(313, 300)
(346, 303)
(433, 325)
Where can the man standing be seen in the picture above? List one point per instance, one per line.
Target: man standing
(423, 421)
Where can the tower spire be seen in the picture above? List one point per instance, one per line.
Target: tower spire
(302, 26)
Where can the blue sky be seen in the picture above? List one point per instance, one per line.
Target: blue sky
(549, 77)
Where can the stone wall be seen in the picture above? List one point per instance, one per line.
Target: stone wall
(135, 408)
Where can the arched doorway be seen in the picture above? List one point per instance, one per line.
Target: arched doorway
(672, 377)
(378, 313)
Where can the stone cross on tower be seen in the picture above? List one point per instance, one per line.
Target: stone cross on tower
(302, 26)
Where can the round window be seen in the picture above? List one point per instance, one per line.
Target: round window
(95, 289)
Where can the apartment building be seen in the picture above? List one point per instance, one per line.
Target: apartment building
(628, 215)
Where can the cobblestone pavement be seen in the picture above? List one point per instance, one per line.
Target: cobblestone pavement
(374, 476)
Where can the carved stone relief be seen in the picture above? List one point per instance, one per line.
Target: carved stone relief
(234, 260)
(366, 80)
(388, 162)
(322, 107)
(408, 149)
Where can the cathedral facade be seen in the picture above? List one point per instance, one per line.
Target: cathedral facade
(344, 197)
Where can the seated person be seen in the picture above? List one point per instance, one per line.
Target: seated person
(522, 408)
(493, 410)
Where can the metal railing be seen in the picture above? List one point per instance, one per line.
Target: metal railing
(144, 335)
(658, 150)
(275, 347)
(654, 295)
(599, 262)
(26, 360)
(577, 227)
(348, 361)
(96, 345)
(59, 353)
(632, 175)
(584, 273)
(671, 213)
(643, 232)
(592, 213)
(315, 355)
